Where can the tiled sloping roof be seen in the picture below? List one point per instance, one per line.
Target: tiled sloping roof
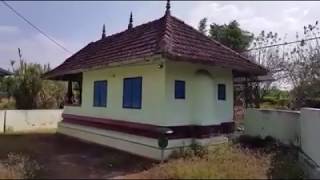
(4, 72)
(168, 36)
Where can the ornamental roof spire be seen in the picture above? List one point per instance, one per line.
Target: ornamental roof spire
(103, 31)
(168, 7)
(130, 25)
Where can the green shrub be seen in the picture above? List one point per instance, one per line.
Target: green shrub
(199, 150)
(7, 104)
(193, 150)
(274, 102)
(246, 158)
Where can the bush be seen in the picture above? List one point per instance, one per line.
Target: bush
(17, 166)
(246, 158)
(255, 142)
(7, 103)
(193, 150)
(222, 161)
(273, 102)
(284, 158)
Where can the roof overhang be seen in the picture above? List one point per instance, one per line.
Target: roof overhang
(70, 74)
(251, 78)
(238, 71)
(65, 77)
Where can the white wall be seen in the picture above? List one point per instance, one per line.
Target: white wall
(288, 126)
(280, 124)
(310, 133)
(29, 120)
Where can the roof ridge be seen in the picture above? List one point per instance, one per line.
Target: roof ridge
(165, 40)
(127, 30)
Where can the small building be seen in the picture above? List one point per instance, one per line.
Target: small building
(128, 89)
(4, 73)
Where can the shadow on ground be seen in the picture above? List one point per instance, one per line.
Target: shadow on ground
(65, 157)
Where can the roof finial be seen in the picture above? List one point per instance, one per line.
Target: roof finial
(103, 31)
(130, 25)
(168, 7)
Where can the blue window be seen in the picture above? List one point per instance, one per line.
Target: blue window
(132, 93)
(179, 89)
(100, 93)
(221, 92)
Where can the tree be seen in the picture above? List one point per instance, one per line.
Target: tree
(297, 64)
(231, 35)
(29, 90)
(203, 26)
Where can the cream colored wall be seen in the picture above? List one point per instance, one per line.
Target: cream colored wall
(159, 107)
(153, 85)
(201, 106)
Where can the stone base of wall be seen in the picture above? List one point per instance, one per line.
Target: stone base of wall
(138, 145)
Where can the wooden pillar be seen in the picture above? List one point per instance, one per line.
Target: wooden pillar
(69, 93)
(80, 91)
(257, 95)
(246, 99)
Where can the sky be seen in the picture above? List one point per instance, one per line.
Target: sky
(75, 24)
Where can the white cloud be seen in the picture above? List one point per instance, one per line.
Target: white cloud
(294, 18)
(218, 13)
(257, 24)
(282, 17)
(224, 13)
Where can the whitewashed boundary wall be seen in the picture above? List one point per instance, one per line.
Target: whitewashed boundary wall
(279, 124)
(17, 121)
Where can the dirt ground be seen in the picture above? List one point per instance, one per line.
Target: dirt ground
(65, 157)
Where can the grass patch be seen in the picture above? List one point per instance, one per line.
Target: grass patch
(283, 158)
(17, 166)
(222, 162)
(245, 158)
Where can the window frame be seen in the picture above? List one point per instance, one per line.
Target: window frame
(94, 94)
(223, 98)
(175, 89)
(131, 103)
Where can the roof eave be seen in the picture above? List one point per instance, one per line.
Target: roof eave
(57, 75)
(257, 71)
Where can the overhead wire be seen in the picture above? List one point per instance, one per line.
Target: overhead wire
(35, 27)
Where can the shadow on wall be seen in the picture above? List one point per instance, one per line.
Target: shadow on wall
(279, 124)
(203, 97)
